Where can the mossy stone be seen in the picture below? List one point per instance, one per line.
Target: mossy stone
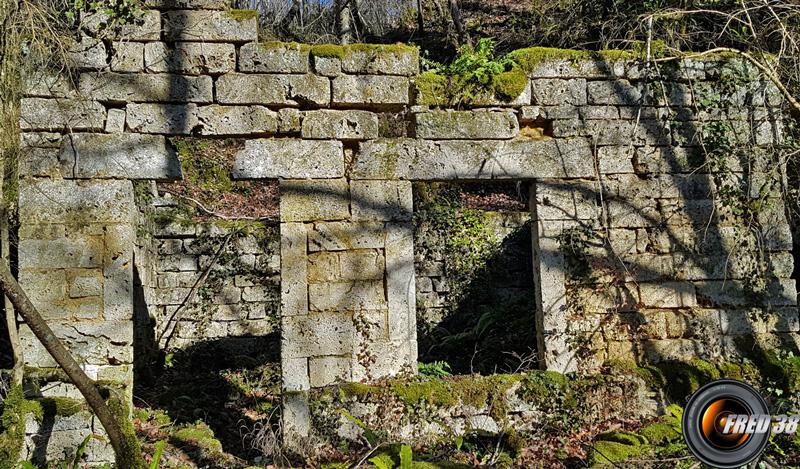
(241, 15)
(508, 86)
(660, 433)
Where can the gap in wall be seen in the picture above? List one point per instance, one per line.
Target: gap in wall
(474, 276)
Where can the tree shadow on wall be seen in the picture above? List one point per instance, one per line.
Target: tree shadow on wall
(489, 324)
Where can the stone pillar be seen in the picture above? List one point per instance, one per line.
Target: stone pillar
(347, 294)
(76, 243)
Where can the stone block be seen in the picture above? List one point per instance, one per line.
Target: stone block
(48, 84)
(146, 27)
(361, 264)
(289, 120)
(274, 90)
(42, 162)
(491, 159)
(616, 92)
(274, 57)
(324, 371)
(115, 121)
(340, 125)
(88, 53)
(304, 200)
(236, 120)
(92, 343)
(328, 66)
(668, 294)
(289, 159)
(323, 267)
(61, 253)
(168, 119)
(258, 293)
(546, 92)
(381, 200)
(83, 286)
(211, 26)
(127, 57)
(340, 236)
(190, 58)
(47, 290)
(378, 60)
(318, 334)
(128, 156)
(346, 296)
(385, 359)
(466, 125)
(370, 90)
(566, 200)
(123, 88)
(400, 284)
(61, 114)
(40, 139)
(294, 288)
(778, 292)
(295, 374)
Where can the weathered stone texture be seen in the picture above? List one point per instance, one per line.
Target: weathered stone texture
(324, 199)
(274, 58)
(61, 114)
(190, 58)
(211, 26)
(236, 120)
(466, 125)
(146, 28)
(370, 90)
(123, 88)
(126, 156)
(127, 57)
(292, 90)
(168, 119)
(289, 159)
(340, 125)
(378, 61)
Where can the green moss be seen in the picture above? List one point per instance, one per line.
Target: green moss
(509, 85)
(131, 454)
(360, 390)
(530, 58)
(269, 45)
(660, 433)
(541, 384)
(434, 392)
(383, 48)
(201, 435)
(242, 15)
(609, 452)
(60, 406)
(623, 437)
(431, 89)
(330, 51)
(12, 426)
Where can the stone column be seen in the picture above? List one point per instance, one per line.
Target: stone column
(76, 265)
(347, 294)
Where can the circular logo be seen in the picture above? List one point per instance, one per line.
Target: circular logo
(726, 424)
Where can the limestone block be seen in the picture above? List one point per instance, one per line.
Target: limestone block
(289, 158)
(118, 271)
(569, 68)
(384, 359)
(599, 112)
(323, 267)
(128, 156)
(294, 373)
(340, 236)
(236, 120)
(83, 286)
(46, 289)
(122, 88)
(115, 121)
(48, 84)
(317, 334)
(294, 289)
(40, 162)
(162, 118)
(93, 343)
(289, 120)
(296, 420)
(324, 371)
(392, 60)
(370, 89)
(186, 4)
(346, 296)
(328, 66)
(340, 125)
(257, 293)
(566, 200)
(127, 57)
(400, 282)
(430, 160)
(73, 202)
(681, 350)
(274, 90)
(190, 58)
(273, 57)
(547, 92)
(424, 285)
(668, 294)
(40, 139)
(466, 125)
(145, 28)
(361, 264)
(61, 253)
(779, 292)
(381, 200)
(616, 92)
(61, 114)
(211, 26)
(88, 53)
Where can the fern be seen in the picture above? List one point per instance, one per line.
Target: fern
(406, 457)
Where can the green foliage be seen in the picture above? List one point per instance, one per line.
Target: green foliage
(12, 426)
(437, 369)
(574, 244)
(406, 457)
(114, 13)
(475, 75)
(372, 436)
(160, 446)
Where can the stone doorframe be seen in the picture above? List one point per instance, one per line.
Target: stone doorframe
(348, 307)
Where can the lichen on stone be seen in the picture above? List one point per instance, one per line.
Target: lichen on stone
(241, 15)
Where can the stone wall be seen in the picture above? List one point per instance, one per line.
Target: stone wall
(647, 244)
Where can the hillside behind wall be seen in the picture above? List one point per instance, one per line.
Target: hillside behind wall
(636, 256)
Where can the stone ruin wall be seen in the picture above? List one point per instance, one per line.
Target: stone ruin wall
(345, 135)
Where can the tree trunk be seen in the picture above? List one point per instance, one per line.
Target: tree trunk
(127, 452)
(344, 28)
(420, 18)
(455, 13)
